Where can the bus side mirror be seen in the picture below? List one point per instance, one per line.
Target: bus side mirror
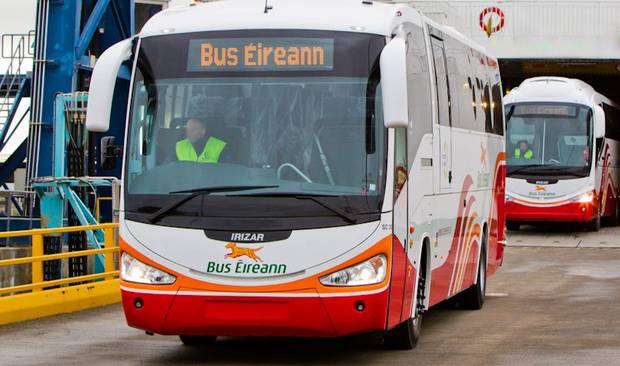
(393, 64)
(110, 152)
(102, 85)
(599, 122)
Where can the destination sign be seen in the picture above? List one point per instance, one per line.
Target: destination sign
(545, 110)
(260, 54)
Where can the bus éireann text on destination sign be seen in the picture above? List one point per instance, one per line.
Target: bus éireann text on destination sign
(264, 54)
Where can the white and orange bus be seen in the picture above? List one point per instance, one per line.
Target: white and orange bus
(562, 145)
(352, 174)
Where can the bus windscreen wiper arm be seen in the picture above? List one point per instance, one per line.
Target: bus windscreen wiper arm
(340, 212)
(312, 197)
(521, 169)
(155, 217)
(560, 171)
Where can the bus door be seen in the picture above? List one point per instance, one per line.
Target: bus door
(443, 113)
(400, 272)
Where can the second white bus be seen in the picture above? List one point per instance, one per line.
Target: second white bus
(562, 147)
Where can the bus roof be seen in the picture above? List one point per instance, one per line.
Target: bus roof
(338, 15)
(556, 89)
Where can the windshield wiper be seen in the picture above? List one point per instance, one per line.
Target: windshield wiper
(572, 174)
(307, 196)
(155, 217)
(522, 169)
(544, 169)
(340, 212)
(559, 170)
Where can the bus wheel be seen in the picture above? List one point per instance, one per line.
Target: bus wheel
(473, 297)
(405, 336)
(595, 225)
(614, 220)
(193, 341)
(513, 226)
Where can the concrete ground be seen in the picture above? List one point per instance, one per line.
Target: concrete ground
(556, 301)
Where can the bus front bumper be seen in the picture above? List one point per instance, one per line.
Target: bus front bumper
(569, 212)
(306, 314)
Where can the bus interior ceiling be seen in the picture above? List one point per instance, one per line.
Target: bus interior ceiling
(602, 75)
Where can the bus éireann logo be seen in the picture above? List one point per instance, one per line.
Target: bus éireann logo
(540, 188)
(238, 266)
(236, 252)
(492, 20)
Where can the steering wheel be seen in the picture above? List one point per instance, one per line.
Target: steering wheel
(295, 169)
(554, 161)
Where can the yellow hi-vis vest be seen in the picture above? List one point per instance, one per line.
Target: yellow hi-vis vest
(528, 154)
(210, 154)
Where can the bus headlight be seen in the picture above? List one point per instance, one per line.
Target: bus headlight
(132, 270)
(586, 197)
(369, 272)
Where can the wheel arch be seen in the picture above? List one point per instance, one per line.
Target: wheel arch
(484, 245)
(425, 265)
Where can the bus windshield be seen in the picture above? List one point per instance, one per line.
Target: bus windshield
(297, 113)
(548, 139)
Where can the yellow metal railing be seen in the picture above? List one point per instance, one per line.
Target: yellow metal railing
(98, 206)
(46, 298)
(37, 258)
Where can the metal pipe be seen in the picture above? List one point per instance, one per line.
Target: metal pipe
(38, 87)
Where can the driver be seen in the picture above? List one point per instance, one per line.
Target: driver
(523, 151)
(198, 146)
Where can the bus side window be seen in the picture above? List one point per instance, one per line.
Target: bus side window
(599, 147)
(486, 104)
(462, 93)
(419, 89)
(612, 127)
(441, 80)
(496, 106)
(452, 50)
(612, 121)
(474, 103)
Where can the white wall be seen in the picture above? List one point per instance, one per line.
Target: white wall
(547, 29)
(180, 2)
(16, 17)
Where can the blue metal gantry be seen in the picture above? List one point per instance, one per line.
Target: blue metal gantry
(70, 35)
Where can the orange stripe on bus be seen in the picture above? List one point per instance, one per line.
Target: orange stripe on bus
(383, 246)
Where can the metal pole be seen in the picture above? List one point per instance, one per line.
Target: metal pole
(37, 267)
(109, 257)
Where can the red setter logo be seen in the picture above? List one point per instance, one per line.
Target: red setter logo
(236, 252)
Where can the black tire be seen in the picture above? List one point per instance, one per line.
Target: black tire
(595, 225)
(405, 336)
(513, 226)
(473, 297)
(196, 341)
(614, 219)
